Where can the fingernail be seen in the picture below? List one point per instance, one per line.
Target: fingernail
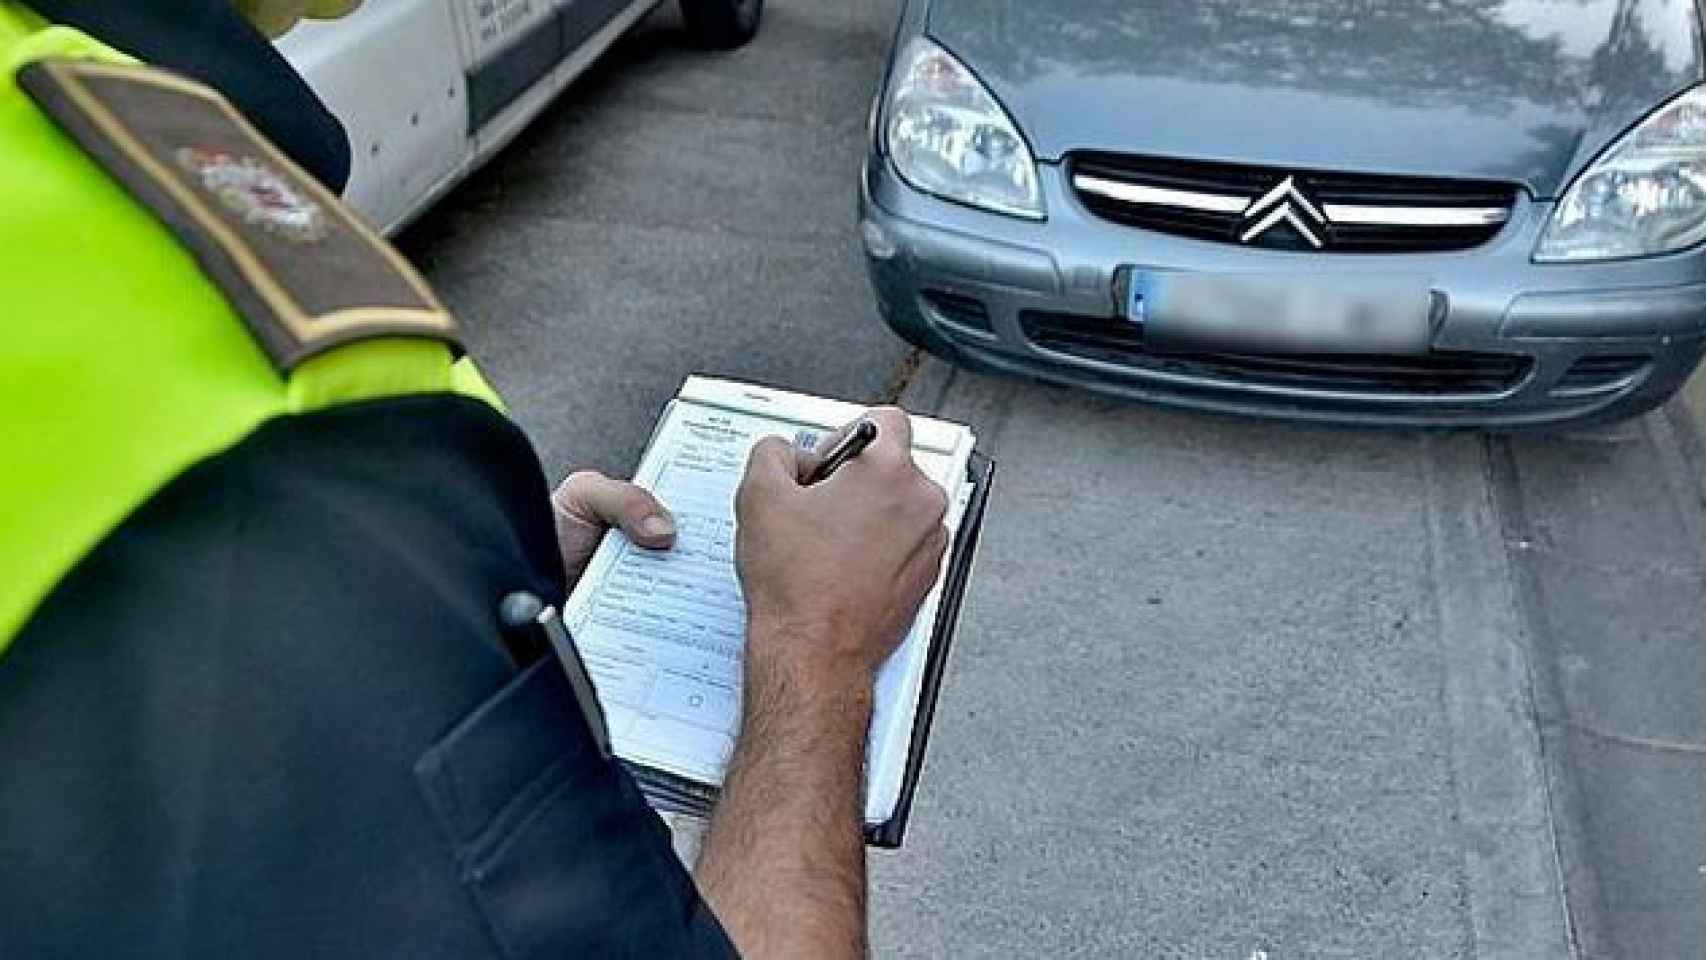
(657, 525)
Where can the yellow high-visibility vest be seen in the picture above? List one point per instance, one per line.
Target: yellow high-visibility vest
(123, 363)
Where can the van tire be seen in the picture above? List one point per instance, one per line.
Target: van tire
(722, 24)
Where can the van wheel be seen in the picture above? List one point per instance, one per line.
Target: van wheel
(722, 24)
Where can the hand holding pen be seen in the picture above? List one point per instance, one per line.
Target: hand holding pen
(855, 556)
(851, 443)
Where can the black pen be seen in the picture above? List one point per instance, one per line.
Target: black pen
(863, 434)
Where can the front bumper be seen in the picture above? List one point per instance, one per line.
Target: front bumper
(1517, 343)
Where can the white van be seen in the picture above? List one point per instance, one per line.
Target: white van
(429, 89)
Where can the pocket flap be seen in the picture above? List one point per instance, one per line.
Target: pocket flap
(512, 750)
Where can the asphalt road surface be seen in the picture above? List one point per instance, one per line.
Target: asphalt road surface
(1223, 688)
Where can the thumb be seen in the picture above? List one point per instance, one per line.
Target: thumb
(597, 501)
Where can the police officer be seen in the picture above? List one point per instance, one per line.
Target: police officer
(257, 697)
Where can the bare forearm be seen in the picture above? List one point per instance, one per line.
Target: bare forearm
(829, 595)
(784, 861)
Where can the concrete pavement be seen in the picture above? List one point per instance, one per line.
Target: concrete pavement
(1607, 533)
(1222, 688)
(1233, 689)
(1550, 768)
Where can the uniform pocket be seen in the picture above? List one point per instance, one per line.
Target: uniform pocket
(552, 841)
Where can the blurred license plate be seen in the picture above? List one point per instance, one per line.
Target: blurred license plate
(1275, 313)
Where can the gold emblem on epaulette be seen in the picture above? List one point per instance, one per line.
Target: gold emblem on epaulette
(255, 193)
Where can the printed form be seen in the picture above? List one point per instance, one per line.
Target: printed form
(663, 633)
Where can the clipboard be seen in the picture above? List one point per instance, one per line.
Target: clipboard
(667, 791)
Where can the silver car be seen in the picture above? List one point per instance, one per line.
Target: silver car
(1469, 212)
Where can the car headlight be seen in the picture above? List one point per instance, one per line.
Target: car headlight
(1644, 196)
(947, 136)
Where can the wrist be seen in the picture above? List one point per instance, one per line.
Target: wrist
(807, 669)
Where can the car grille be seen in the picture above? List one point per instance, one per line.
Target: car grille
(1112, 340)
(1339, 212)
(1592, 375)
(957, 308)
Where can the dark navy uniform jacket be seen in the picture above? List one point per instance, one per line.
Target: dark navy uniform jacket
(273, 715)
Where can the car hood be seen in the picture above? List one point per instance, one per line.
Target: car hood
(1522, 90)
